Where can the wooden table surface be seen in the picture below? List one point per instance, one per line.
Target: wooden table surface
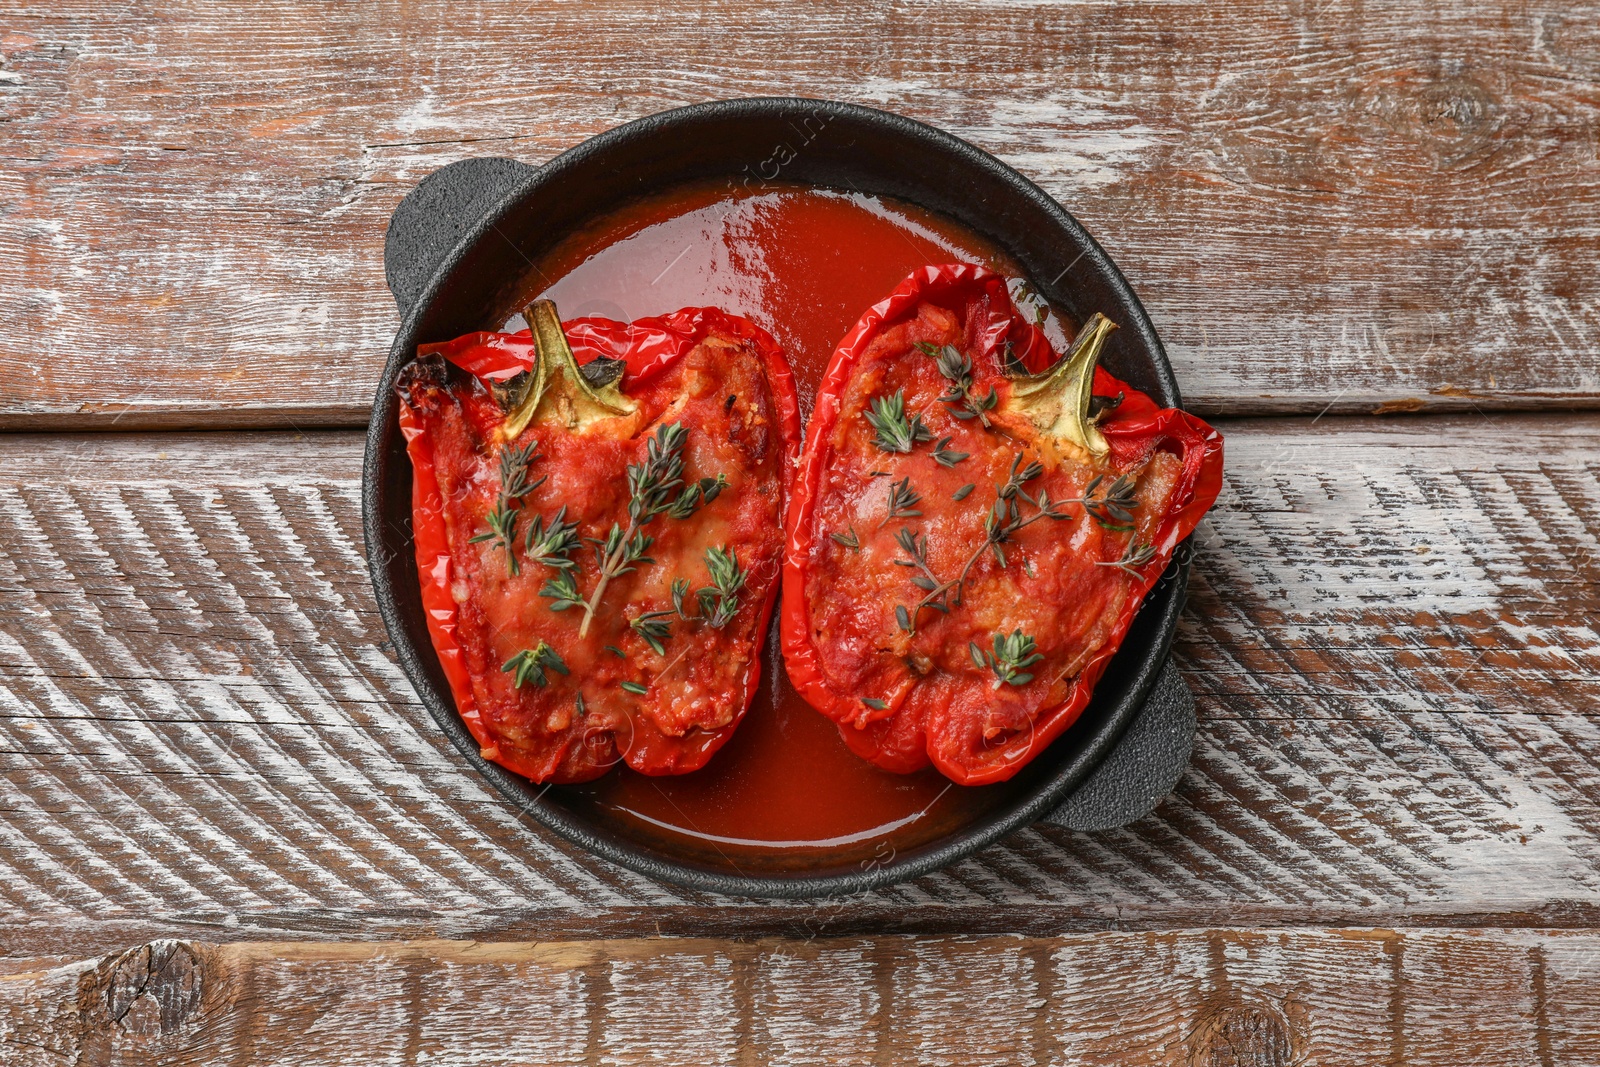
(1368, 233)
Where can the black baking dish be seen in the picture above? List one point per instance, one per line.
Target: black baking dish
(456, 252)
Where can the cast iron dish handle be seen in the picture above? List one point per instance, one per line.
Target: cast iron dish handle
(1152, 753)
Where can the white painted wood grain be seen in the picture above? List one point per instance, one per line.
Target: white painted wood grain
(200, 727)
(1321, 203)
(814, 1002)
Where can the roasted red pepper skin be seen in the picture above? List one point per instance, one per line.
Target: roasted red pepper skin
(1134, 430)
(649, 347)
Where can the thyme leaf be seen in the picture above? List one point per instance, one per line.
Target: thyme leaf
(964, 492)
(635, 687)
(1113, 508)
(552, 544)
(696, 496)
(652, 629)
(650, 484)
(719, 601)
(514, 485)
(514, 464)
(946, 457)
(1004, 519)
(956, 369)
(621, 550)
(1011, 653)
(562, 589)
(680, 589)
(874, 703)
(1136, 555)
(902, 502)
(502, 520)
(653, 489)
(896, 432)
(848, 540)
(915, 546)
(530, 664)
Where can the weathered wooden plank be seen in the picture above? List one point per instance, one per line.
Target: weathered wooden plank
(1217, 997)
(1390, 634)
(1324, 203)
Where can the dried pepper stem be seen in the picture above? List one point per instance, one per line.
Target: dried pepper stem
(575, 396)
(1058, 401)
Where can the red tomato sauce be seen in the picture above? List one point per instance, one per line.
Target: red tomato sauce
(804, 264)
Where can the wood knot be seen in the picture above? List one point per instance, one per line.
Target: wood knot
(1452, 117)
(1246, 1033)
(1278, 129)
(150, 990)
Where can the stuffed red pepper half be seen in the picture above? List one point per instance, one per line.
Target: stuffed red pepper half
(976, 521)
(598, 512)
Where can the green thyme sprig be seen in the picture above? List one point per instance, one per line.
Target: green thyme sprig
(680, 593)
(530, 665)
(896, 431)
(902, 502)
(502, 520)
(696, 496)
(1011, 653)
(945, 456)
(653, 629)
(848, 540)
(956, 369)
(514, 485)
(1134, 556)
(655, 487)
(553, 543)
(719, 601)
(915, 546)
(650, 484)
(1113, 508)
(562, 590)
(1005, 519)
